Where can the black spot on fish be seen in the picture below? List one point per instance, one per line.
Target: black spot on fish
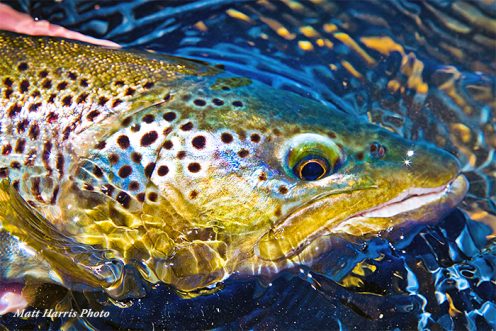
(187, 126)
(149, 169)
(130, 91)
(149, 138)
(168, 144)
(15, 165)
(134, 185)
(237, 103)
(163, 170)
(83, 82)
(21, 126)
(8, 82)
(34, 131)
(82, 97)
(200, 102)
(97, 172)
(116, 102)
(149, 118)
(255, 138)
(181, 155)
(62, 86)
(218, 102)
(152, 196)
(23, 66)
(136, 157)
(135, 127)
(125, 122)
(119, 83)
(194, 167)
(226, 138)
(199, 142)
(123, 141)
(6, 149)
(46, 83)
(43, 74)
(262, 176)
(125, 171)
(8, 92)
(113, 158)
(149, 85)
(67, 100)
(193, 194)
(102, 101)
(124, 199)
(4, 172)
(101, 145)
(71, 75)
(14, 110)
(243, 153)
(283, 189)
(140, 197)
(92, 115)
(169, 116)
(24, 86)
(19, 148)
(34, 106)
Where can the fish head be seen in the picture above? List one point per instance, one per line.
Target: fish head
(269, 174)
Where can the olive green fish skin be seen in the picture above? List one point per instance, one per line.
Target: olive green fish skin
(189, 170)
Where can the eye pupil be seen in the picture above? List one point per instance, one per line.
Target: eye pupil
(312, 170)
(313, 167)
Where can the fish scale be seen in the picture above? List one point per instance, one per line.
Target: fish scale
(51, 105)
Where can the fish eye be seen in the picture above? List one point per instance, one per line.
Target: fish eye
(310, 157)
(312, 167)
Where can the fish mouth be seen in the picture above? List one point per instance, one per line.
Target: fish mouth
(413, 205)
(417, 198)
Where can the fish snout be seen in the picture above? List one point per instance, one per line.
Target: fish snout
(431, 166)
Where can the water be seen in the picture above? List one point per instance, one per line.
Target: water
(441, 276)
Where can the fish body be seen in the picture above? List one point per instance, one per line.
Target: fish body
(188, 174)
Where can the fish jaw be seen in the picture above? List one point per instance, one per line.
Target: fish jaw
(413, 205)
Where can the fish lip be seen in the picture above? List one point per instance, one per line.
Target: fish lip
(425, 194)
(453, 192)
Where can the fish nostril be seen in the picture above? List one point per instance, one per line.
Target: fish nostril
(377, 150)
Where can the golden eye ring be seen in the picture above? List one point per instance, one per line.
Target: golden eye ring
(312, 168)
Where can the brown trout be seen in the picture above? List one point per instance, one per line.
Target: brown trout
(114, 161)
